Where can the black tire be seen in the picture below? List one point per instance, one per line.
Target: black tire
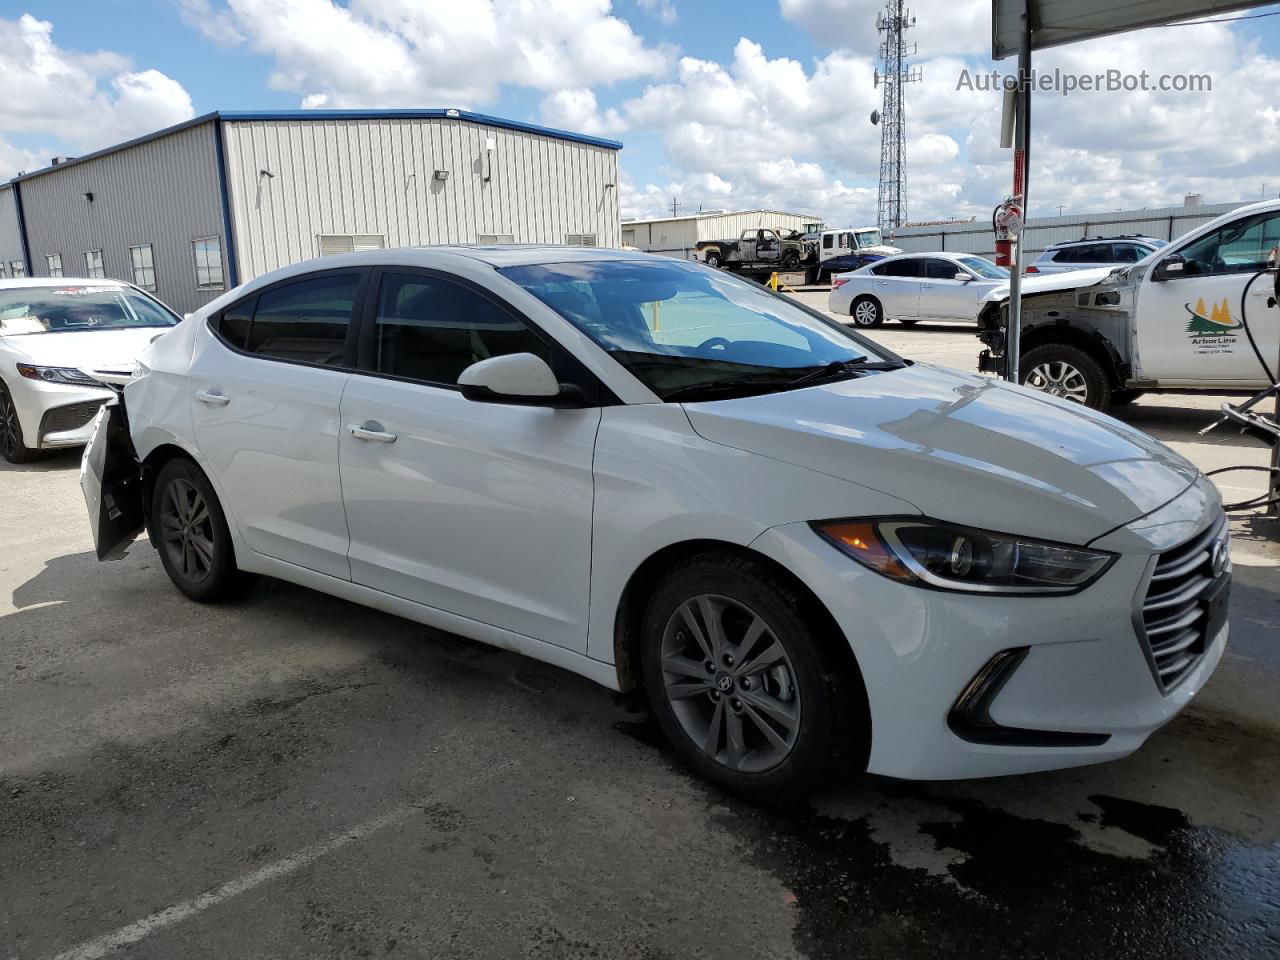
(195, 547)
(13, 446)
(790, 260)
(1122, 398)
(1068, 372)
(872, 315)
(713, 260)
(830, 731)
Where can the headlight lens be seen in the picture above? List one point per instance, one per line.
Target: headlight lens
(69, 375)
(947, 557)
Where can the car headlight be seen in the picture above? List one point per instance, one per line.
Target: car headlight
(943, 556)
(68, 375)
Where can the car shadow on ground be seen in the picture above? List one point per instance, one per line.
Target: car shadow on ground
(52, 462)
(929, 326)
(1167, 853)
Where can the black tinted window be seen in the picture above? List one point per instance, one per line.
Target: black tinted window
(1093, 253)
(306, 321)
(431, 329)
(941, 270)
(902, 268)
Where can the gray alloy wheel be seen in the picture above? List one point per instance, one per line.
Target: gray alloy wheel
(730, 683)
(866, 312)
(186, 531)
(12, 447)
(1059, 378)
(713, 260)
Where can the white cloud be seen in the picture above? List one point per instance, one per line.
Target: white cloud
(386, 53)
(578, 110)
(957, 26)
(664, 10)
(85, 100)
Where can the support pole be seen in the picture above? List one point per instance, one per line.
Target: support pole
(1022, 154)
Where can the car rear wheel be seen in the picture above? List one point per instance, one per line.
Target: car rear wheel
(713, 260)
(1067, 372)
(743, 681)
(191, 530)
(13, 446)
(866, 312)
(790, 260)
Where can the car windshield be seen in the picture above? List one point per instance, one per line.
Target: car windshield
(870, 238)
(26, 310)
(686, 331)
(985, 268)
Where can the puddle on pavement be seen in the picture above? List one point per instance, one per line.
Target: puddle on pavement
(928, 876)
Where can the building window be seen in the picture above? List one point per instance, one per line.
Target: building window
(581, 240)
(144, 266)
(208, 257)
(54, 262)
(488, 239)
(93, 264)
(18, 268)
(331, 243)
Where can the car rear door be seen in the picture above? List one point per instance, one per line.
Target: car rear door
(479, 509)
(266, 380)
(897, 285)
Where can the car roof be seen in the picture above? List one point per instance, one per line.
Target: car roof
(506, 254)
(1138, 238)
(15, 283)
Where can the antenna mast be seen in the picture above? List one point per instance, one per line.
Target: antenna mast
(894, 72)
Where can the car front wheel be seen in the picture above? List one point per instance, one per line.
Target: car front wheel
(1068, 372)
(191, 531)
(744, 683)
(13, 446)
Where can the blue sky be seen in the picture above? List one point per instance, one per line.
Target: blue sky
(723, 104)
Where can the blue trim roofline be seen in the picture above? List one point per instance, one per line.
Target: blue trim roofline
(247, 116)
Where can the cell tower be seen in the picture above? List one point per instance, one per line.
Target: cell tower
(894, 73)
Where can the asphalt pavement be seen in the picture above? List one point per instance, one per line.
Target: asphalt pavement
(295, 776)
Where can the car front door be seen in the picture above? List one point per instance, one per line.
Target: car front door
(943, 296)
(266, 380)
(479, 509)
(897, 286)
(1190, 324)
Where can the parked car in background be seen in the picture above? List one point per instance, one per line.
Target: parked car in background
(1095, 252)
(61, 342)
(915, 286)
(593, 457)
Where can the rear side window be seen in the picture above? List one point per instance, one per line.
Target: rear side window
(1127, 253)
(1092, 253)
(305, 321)
(431, 329)
(902, 268)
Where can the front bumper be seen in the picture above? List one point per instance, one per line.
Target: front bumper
(1081, 691)
(55, 415)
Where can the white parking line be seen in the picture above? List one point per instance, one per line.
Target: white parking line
(178, 912)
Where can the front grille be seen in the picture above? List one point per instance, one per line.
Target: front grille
(73, 416)
(1176, 612)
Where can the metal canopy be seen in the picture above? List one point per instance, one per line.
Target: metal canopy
(1055, 22)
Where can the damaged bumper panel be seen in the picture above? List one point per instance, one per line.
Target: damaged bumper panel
(111, 480)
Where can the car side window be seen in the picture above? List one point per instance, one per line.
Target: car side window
(902, 268)
(941, 270)
(431, 329)
(305, 321)
(1065, 255)
(1242, 246)
(1093, 253)
(1127, 252)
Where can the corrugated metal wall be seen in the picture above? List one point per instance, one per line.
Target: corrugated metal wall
(1164, 223)
(10, 238)
(376, 177)
(163, 192)
(678, 236)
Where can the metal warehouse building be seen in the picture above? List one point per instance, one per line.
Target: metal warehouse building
(194, 209)
(679, 236)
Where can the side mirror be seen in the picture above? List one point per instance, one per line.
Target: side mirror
(962, 276)
(517, 378)
(1170, 268)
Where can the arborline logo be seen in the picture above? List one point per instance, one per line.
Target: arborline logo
(1211, 323)
(1065, 84)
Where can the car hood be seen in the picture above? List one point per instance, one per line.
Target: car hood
(1048, 282)
(963, 448)
(88, 350)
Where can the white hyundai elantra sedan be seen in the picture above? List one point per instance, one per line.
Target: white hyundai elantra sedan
(61, 343)
(813, 555)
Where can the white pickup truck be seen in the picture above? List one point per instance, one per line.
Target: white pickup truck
(1199, 314)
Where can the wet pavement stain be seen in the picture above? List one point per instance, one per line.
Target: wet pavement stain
(1015, 887)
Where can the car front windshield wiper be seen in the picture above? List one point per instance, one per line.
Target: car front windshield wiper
(720, 389)
(844, 368)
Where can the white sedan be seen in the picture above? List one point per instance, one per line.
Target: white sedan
(915, 286)
(813, 555)
(61, 343)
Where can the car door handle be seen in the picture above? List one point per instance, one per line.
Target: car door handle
(926, 286)
(371, 430)
(214, 398)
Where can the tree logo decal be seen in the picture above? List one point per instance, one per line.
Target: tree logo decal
(1211, 323)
